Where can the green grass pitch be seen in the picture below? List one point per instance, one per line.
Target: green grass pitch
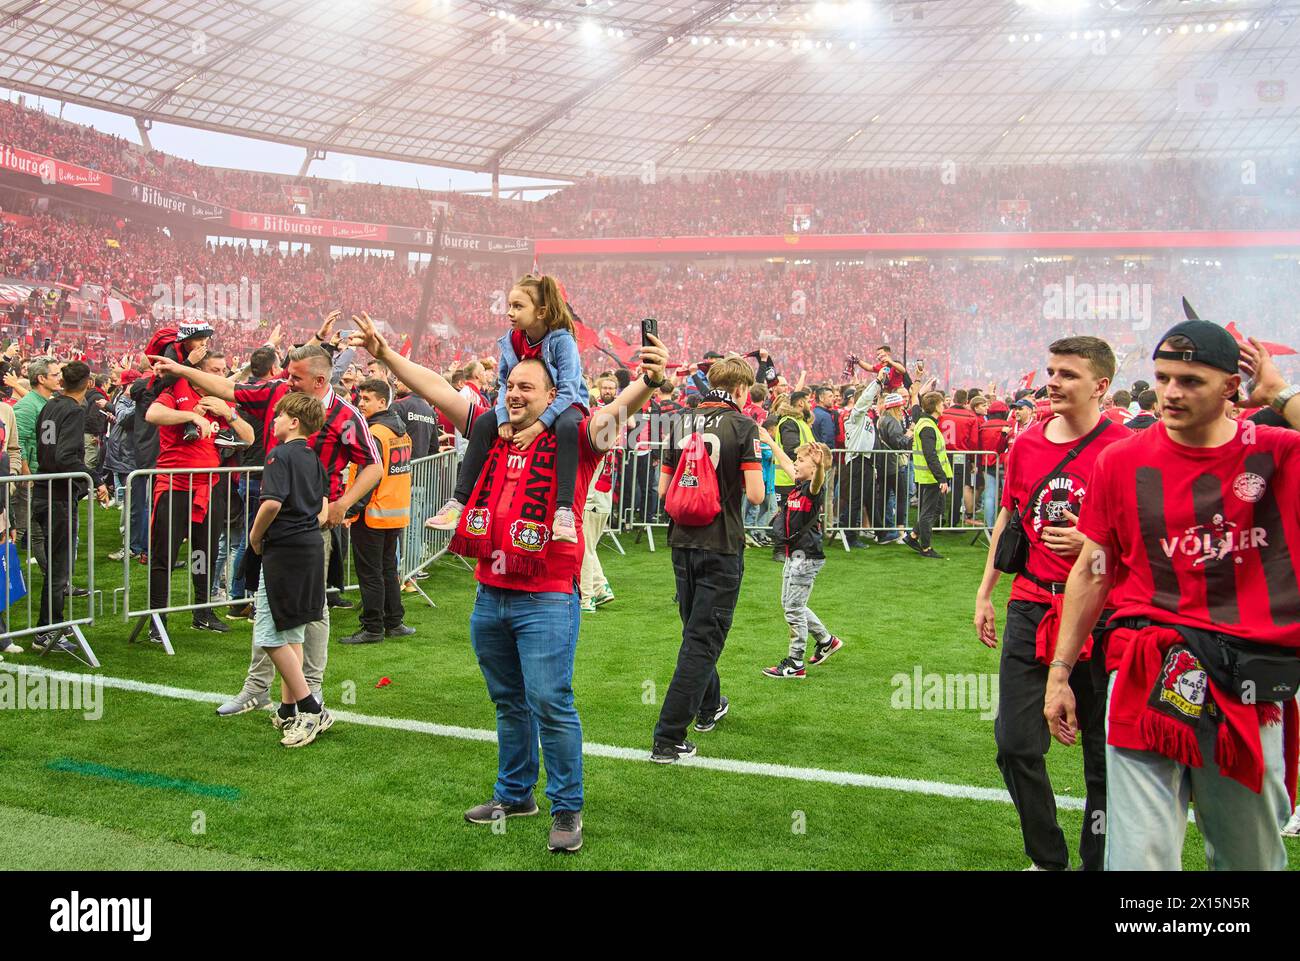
(161, 782)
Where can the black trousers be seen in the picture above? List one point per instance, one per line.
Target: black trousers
(1023, 738)
(374, 552)
(857, 491)
(171, 525)
(782, 495)
(338, 550)
(52, 521)
(708, 586)
(930, 503)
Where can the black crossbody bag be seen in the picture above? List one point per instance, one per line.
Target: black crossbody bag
(1255, 673)
(1013, 546)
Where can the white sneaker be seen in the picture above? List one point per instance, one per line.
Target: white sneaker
(11, 648)
(301, 731)
(326, 718)
(218, 595)
(1292, 829)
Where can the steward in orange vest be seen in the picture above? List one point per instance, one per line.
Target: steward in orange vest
(379, 525)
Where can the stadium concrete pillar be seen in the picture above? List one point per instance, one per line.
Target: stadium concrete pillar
(142, 125)
(496, 180)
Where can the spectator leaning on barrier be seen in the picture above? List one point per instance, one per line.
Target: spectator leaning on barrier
(60, 449)
(857, 482)
(960, 429)
(379, 526)
(45, 376)
(892, 433)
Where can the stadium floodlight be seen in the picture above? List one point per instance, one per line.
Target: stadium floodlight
(1114, 34)
(590, 31)
(1183, 29)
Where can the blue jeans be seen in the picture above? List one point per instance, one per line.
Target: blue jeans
(141, 506)
(525, 644)
(990, 498)
(250, 489)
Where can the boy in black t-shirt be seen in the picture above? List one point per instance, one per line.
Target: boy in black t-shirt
(708, 561)
(291, 586)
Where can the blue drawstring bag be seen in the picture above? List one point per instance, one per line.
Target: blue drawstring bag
(12, 586)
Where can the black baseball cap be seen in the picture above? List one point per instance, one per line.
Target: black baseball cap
(1213, 346)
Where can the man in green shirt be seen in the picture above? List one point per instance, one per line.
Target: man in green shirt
(46, 376)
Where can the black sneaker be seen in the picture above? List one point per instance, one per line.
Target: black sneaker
(401, 630)
(207, 621)
(361, 637)
(226, 437)
(241, 612)
(333, 600)
(78, 592)
(707, 722)
(910, 541)
(566, 832)
(493, 810)
(931, 552)
(665, 752)
(823, 651)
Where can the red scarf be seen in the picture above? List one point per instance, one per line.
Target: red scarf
(1049, 629)
(526, 535)
(1150, 710)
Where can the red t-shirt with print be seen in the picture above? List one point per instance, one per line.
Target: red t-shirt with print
(1031, 459)
(1203, 536)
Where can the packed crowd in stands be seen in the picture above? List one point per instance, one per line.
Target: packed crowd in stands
(1170, 194)
(969, 318)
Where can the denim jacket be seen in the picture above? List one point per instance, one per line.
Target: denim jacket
(563, 363)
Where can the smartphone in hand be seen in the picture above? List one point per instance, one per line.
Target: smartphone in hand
(649, 328)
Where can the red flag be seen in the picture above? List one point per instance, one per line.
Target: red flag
(1027, 382)
(625, 351)
(405, 349)
(587, 338)
(1275, 349)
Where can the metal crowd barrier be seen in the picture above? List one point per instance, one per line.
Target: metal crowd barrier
(226, 513)
(433, 481)
(875, 491)
(869, 492)
(50, 543)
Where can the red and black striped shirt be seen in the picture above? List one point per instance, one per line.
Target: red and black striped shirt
(345, 439)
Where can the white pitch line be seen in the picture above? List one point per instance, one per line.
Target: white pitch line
(846, 778)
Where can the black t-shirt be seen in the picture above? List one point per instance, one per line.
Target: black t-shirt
(734, 447)
(421, 423)
(295, 477)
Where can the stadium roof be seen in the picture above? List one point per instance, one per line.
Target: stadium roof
(565, 88)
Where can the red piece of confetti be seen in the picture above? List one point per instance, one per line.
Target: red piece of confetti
(384, 682)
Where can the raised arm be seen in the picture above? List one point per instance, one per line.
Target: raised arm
(603, 427)
(429, 384)
(213, 384)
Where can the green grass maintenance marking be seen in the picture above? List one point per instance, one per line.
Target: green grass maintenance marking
(143, 779)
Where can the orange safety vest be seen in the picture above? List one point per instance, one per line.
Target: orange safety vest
(390, 502)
